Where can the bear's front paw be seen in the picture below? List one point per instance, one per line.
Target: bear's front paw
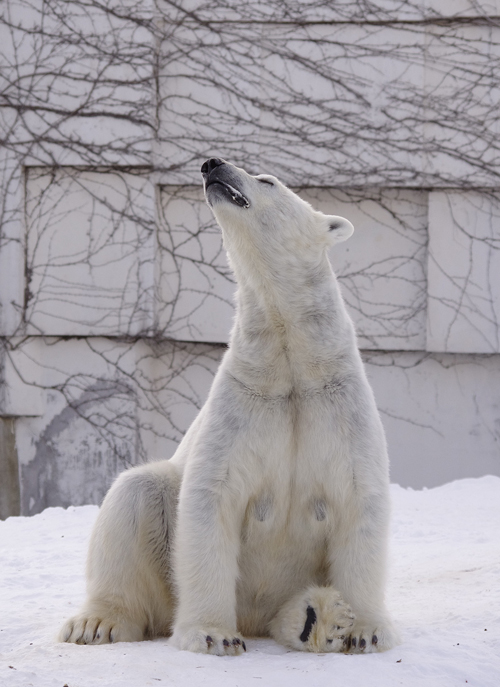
(317, 619)
(369, 637)
(209, 640)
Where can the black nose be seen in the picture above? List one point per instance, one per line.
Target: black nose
(211, 164)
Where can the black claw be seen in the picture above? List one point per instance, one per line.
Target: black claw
(374, 640)
(362, 643)
(225, 642)
(329, 641)
(347, 643)
(244, 646)
(354, 641)
(210, 641)
(236, 641)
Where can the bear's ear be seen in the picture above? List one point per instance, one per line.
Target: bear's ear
(339, 229)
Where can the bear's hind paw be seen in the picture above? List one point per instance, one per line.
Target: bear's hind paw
(89, 629)
(317, 619)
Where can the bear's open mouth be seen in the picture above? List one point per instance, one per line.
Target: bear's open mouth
(234, 195)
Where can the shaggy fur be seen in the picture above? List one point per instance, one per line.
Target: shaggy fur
(272, 516)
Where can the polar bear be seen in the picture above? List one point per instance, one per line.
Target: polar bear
(272, 516)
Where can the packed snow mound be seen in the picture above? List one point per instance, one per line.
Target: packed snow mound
(443, 591)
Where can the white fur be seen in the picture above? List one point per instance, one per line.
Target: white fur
(277, 498)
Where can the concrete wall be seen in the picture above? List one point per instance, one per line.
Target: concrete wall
(115, 294)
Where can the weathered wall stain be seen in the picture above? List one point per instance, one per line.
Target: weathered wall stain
(76, 459)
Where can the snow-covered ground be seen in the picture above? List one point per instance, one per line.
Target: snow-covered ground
(444, 593)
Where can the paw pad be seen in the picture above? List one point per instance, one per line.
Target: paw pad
(308, 626)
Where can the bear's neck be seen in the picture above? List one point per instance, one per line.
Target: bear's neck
(292, 335)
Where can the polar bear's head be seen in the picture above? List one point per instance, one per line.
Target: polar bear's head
(265, 223)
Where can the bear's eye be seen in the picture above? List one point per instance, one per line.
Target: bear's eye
(266, 181)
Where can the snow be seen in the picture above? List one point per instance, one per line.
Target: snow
(443, 591)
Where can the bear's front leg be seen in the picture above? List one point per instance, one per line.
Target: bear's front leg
(211, 508)
(357, 554)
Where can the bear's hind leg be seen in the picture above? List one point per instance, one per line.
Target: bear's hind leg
(129, 583)
(316, 619)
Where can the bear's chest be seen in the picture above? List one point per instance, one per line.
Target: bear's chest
(285, 530)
